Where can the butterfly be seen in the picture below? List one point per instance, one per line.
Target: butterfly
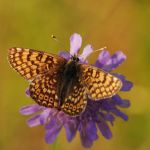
(58, 83)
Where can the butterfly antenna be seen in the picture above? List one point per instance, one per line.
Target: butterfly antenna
(100, 49)
(57, 40)
(97, 50)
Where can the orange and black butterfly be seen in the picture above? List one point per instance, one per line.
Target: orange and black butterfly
(61, 84)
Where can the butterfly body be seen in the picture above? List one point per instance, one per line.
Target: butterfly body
(58, 83)
(68, 77)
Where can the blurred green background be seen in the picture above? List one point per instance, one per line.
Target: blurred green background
(118, 24)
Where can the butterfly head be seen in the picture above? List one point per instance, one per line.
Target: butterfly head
(75, 58)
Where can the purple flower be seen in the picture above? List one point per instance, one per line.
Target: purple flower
(97, 115)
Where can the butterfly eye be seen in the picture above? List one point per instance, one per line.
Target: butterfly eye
(73, 58)
(78, 59)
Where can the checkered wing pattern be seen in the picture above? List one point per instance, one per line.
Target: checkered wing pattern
(99, 84)
(76, 101)
(43, 90)
(30, 63)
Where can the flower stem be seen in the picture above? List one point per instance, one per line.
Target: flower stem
(55, 145)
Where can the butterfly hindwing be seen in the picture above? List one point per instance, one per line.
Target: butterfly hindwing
(99, 84)
(43, 89)
(76, 101)
(30, 63)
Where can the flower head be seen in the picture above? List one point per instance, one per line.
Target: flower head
(97, 115)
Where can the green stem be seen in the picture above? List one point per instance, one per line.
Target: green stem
(55, 145)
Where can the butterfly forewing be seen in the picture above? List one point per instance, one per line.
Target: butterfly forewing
(76, 101)
(43, 89)
(99, 84)
(30, 63)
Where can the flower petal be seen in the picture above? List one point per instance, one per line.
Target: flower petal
(53, 130)
(62, 117)
(108, 117)
(75, 43)
(120, 102)
(86, 142)
(71, 129)
(30, 109)
(45, 115)
(116, 60)
(119, 113)
(91, 130)
(34, 121)
(102, 59)
(88, 132)
(86, 52)
(64, 55)
(109, 63)
(127, 85)
(104, 128)
(27, 92)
